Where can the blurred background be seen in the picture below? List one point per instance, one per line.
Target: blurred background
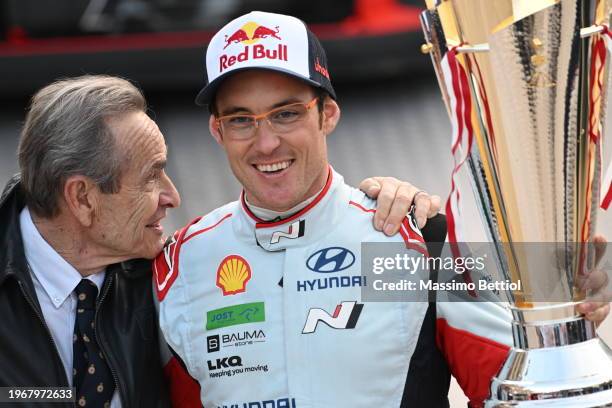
(160, 43)
(393, 119)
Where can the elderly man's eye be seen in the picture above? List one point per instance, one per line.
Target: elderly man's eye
(153, 176)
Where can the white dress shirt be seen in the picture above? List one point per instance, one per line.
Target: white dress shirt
(54, 281)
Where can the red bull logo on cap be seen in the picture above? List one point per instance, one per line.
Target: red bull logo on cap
(250, 34)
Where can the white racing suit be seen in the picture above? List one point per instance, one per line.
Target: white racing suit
(269, 314)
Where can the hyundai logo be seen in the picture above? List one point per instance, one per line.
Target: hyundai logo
(332, 259)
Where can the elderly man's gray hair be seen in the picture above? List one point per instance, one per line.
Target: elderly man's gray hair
(66, 134)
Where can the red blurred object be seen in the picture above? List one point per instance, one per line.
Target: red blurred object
(382, 16)
(16, 35)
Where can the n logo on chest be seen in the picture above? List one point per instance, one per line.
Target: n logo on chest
(345, 316)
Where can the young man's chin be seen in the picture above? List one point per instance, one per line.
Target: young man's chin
(277, 200)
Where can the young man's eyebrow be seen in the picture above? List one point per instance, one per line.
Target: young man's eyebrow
(235, 109)
(240, 109)
(287, 101)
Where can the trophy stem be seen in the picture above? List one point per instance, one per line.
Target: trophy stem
(550, 326)
(578, 375)
(558, 360)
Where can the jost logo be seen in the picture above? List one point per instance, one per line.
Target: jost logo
(234, 315)
(332, 259)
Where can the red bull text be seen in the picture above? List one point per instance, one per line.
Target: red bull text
(256, 51)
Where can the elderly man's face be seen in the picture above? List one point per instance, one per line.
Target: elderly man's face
(278, 169)
(128, 222)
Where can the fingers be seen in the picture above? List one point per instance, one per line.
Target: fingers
(426, 206)
(596, 280)
(385, 202)
(370, 186)
(595, 311)
(435, 206)
(600, 247)
(395, 197)
(597, 306)
(401, 205)
(405, 196)
(422, 205)
(589, 306)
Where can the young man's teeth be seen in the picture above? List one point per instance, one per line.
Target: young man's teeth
(273, 167)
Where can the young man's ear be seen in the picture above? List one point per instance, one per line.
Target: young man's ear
(331, 115)
(214, 129)
(81, 197)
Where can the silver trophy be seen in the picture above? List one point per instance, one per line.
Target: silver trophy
(537, 82)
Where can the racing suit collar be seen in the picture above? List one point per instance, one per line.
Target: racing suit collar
(281, 234)
(269, 215)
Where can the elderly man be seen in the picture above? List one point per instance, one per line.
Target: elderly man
(261, 298)
(76, 303)
(91, 196)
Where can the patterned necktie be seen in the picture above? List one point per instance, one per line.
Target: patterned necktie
(91, 375)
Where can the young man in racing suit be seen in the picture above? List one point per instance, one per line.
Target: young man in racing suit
(261, 299)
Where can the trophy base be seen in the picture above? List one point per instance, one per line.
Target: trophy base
(576, 375)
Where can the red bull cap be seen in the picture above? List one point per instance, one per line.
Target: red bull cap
(270, 41)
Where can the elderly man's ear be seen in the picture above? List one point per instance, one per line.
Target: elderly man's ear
(81, 197)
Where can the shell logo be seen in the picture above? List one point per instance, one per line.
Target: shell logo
(233, 274)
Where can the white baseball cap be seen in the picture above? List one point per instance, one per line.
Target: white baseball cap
(270, 41)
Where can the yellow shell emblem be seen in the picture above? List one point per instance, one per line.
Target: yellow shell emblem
(233, 274)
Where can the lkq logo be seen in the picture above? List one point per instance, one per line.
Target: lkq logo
(225, 362)
(216, 342)
(250, 35)
(329, 260)
(345, 316)
(295, 230)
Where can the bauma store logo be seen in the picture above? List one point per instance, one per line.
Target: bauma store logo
(250, 35)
